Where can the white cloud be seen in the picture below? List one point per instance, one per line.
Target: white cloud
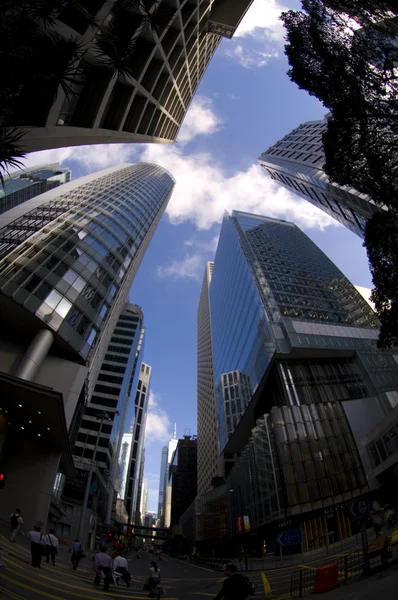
(91, 158)
(207, 245)
(203, 192)
(200, 120)
(190, 267)
(158, 424)
(259, 37)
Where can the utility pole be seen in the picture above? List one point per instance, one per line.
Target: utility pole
(102, 416)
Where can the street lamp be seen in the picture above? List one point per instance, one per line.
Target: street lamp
(102, 416)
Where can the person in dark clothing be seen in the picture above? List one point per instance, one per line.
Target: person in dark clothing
(103, 566)
(235, 586)
(78, 553)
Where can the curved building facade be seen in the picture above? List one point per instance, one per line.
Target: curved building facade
(69, 257)
(162, 68)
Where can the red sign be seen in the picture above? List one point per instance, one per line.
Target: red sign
(239, 525)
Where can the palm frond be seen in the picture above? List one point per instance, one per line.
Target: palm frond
(160, 17)
(10, 151)
(116, 51)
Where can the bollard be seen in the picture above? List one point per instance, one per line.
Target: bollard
(300, 583)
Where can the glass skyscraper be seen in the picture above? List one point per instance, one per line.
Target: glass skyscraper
(67, 261)
(296, 162)
(27, 183)
(299, 380)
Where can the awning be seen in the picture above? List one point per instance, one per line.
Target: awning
(37, 411)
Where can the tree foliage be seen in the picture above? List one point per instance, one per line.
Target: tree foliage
(381, 239)
(345, 53)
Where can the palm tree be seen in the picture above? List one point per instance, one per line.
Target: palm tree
(10, 151)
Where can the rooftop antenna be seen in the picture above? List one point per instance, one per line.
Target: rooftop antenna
(175, 431)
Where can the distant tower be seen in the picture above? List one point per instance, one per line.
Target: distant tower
(297, 162)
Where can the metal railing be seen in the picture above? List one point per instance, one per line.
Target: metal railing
(348, 566)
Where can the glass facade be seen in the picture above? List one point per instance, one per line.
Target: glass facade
(296, 162)
(295, 362)
(28, 183)
(72, 256)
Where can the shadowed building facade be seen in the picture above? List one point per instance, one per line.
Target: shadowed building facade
(67, 261)
(148, 101)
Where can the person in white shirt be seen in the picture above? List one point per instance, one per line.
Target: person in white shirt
(120, 569)
(16, 524)
(37, 546)
(52, 546)
(154, 580)
(103, 564)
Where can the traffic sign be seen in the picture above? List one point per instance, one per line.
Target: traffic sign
(290, 537)
(360, 508)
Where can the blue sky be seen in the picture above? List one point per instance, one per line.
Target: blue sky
(244, 104)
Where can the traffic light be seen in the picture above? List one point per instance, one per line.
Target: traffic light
(3, 478)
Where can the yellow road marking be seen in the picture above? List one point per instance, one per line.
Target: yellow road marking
(307, 567)
(63, 583)
(267, 587)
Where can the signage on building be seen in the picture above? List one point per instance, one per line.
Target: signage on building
(246, 524)
(291, 537)
(239, 525)
(360, 508)
(332, 509)
(284, 524)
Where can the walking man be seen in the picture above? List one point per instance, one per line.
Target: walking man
(52, 546)
(37, 546)
(120, 570)
(16, 524)
(103, 565)
(77, 553)
(236, 586)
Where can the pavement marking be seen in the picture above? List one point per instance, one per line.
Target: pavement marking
(267, 587)
(307, 567)
(69, 585)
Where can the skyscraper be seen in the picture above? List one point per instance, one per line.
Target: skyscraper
(67, 261)
(171, 446)
(207, 443)
(162, 67)
(162, 482)
(183, 474)
(27, 183)
(289, 328)
(138, 415)
(296, 162)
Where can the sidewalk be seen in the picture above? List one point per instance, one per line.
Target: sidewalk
(381, 585)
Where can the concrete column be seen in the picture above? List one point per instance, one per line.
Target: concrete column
(35, 355)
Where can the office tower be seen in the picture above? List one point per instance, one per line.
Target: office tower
(141, 488)
(171, 446)
(67, 261)
(208, 462)
(297, 162)
(114, 392)
(183, 474)
(159, 68)
(27, 183)
(144, 499)
(284, 316)
(162, 481)
(138, 415)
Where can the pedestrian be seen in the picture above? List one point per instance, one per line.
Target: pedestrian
(52, 546)
(16, 524)
(103, 566)
(154, 580)
(236, 586)
(37, 546)
(120, 569)
(77, 553)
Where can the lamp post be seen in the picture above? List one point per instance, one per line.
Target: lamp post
(102, 416)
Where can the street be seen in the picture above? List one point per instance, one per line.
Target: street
(181, 579)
